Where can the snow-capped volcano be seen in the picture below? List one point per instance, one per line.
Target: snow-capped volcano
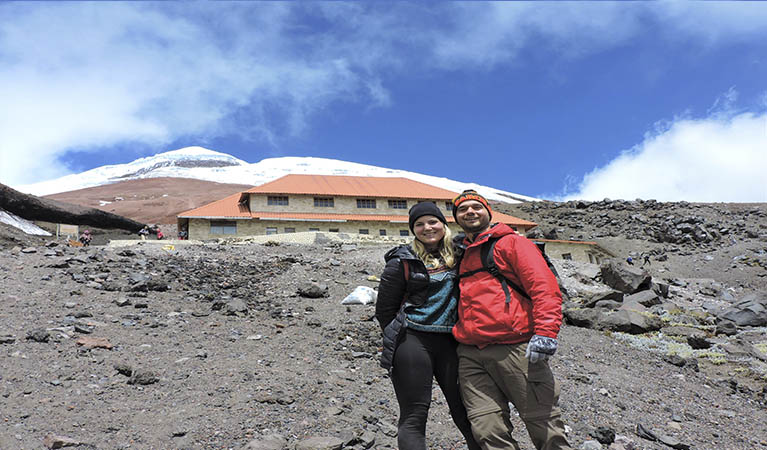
(209, 165)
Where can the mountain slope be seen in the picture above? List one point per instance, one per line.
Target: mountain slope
(150, 200)
(203, 164)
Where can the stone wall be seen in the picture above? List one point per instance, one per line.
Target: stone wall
(200, 228)
(341, 205)
(578, 252)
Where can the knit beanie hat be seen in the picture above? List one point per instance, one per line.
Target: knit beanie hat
(471, 194)
(425, 209)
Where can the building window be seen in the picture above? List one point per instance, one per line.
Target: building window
(223, 227)
(366, 203)
(271, 230)
(278, 200)
(449, 206)
(567, 256)
(333, 230)
(398, 204)
(364, 231)
(314, 229)
(591, 258)
(382, 232)
(323, 202)
(404, 233)
(290, 230)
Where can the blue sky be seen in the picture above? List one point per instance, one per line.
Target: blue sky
(663, 100)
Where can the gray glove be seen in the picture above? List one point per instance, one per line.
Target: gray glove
(540, 348)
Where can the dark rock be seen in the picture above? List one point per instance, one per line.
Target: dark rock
(645, 298)
(672, 442)
(267, 442)
(698, 342)
(661, 289)
(726, 328)
(591, 301)
(751, 310)
(143, 377)
(675, 360)
(53, 441)
(35, 208)
(123, 369)
(84, 329)
(608, 304)
(235, 307)
(311, 289)
(630, 322)
(320, 443)
(584, 318)
(624, 278)
(39, 335)
(604, 435)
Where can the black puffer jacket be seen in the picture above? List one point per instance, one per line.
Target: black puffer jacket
(395, 296)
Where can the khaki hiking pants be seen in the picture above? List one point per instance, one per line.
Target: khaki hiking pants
(492, 377)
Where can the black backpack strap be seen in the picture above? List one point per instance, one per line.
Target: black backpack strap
(488, 265)
(488, 259)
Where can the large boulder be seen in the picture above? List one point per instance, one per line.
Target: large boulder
(632, 322)
(751, 310)
(623, 277)
(593, 299)
(645, 298)
(584, 318)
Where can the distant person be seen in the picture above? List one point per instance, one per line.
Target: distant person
(630, 261)
(85, 238)
(646, 260)
(182, 235)
(160, 236)
(508, 323)
(416, 309)
(144, 232)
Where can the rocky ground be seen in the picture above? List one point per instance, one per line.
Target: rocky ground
(227, 345)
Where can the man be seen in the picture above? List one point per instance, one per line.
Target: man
(646, 259)
(505, 338)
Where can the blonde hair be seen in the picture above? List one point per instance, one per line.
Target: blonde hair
(445, 251)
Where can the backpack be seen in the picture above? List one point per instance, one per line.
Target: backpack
(488, 265)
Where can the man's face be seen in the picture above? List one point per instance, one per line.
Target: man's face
(472, 216)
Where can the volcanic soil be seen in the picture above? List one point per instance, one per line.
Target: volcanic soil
(227, 344)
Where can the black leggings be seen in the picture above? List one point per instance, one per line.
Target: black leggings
(419, 357)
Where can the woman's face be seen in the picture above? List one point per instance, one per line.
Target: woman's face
(429, 230)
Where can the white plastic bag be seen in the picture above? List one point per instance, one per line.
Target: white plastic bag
(361, 295)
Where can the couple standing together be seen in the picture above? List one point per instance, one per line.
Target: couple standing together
(446, 318)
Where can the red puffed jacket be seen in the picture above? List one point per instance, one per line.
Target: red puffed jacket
(484, 317)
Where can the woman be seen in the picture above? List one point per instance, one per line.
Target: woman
(417, 308)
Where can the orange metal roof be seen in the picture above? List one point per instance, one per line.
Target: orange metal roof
(232, 207)
(227, 207)
(348, 186)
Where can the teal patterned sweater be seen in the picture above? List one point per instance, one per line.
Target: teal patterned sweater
(439, 312)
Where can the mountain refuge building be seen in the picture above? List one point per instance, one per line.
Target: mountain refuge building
(324, 203)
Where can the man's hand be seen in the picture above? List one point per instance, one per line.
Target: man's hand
(540, 348)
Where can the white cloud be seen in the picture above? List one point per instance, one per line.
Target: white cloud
(716, 159)
(80, 76)
(88, 75)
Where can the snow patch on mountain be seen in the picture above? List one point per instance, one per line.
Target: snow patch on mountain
(203, 164)
(21, 224)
